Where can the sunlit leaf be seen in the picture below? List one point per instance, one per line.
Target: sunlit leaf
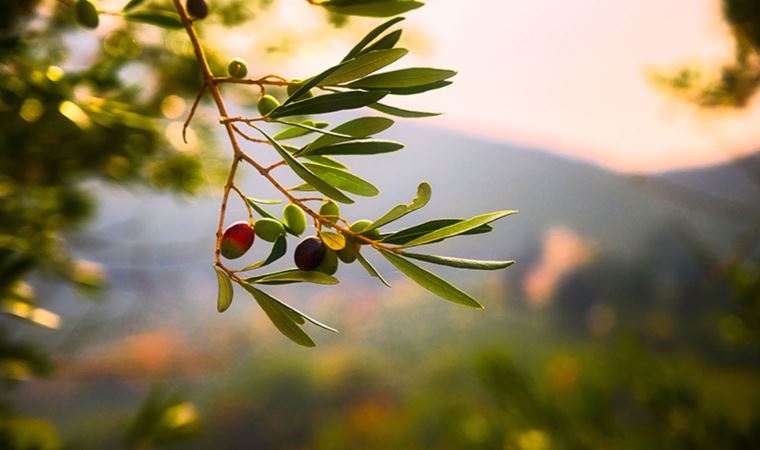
(307, 175)
(224, 298)
(294, 276)
(357, 128)
(295, 131)
(364, 65)
(132, 4)
(163, 19)
(377, 31)
(295, 315)
(309, 128)
(458, 228)
(335, 241)
(261, 201)
(403, 78)
(386, 42)
(327, 161)
(310, 83)
(460, 263)
(430, 281)
(279, 248)
(416, 89)
(398, 112)
(376, 8)
(370, 268)
(367, 147)
(344, 180)
(328, 103)
(424, 191)
(409, 234)
(284, 321)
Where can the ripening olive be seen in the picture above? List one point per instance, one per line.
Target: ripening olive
(331, 210)
(294, 218)
(269, 229)
(237, 68)
(292, 88)
(310, 253)
(197, 8)
(329, 264)
(86, 14)
(237, 239)
(360, 225)
(266, 104)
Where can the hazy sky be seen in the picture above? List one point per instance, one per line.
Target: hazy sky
(566, 75)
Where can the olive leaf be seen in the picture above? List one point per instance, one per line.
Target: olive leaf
(261, 201)
(292, 313)
(313, 129)
(295, 131)
(310, 83)
(408, 234)
(363, 65)
(370, 268)
(398, 112)
(132, 4)
(386, 42)
(344, 180)
(279, 248)
(224, 297)
(327, 161)
(374, 33)
(366, 147)
(289, 276)
(458, 228)
(371, 8)
(403, 78)
(460, 262)
(335, 241)
(411, 90)
(328, 103)
(282, 318)
(357, 128)
(307, 175)
(163, 19)
(430, 281)
(424, 192)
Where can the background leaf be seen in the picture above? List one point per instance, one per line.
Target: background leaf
(163, 19)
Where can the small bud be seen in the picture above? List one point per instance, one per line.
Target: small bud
(237, 68)
(236, 240)
(310, 253)
(269, 229)
(197, 8)
(266, 104)
(294, 218)
(360, 225)
(86, 14)
(331, 210)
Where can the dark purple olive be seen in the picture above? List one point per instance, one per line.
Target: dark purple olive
(197, 8)
(310, 253)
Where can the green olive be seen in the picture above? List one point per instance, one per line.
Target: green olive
(268, 229)
(237, 68)
(294, 218)
(348, 253)
(266, 104)
(331, 210)
(360, 225)
(329, 264)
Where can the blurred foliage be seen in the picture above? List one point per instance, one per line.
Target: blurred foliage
(164, 418)
(738, 81)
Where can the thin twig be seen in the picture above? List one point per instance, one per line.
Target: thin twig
(192, 112)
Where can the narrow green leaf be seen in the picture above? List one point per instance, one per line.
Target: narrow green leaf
(430, 281)
(461, 263)
(408, 234)
(224, 297)
(398, 112)
(335, 241)
(368, 147)
(357, 128)
(377, 31)
(163, 19)
(132, 4)
(307, 175)
(403, 78)
(296, 315)
(310, 83)
(294, 276)
(377, 8)
(424, 191)
(328, 103)
(386, 42)
(279, 248)
(303, 187)
(370, 268)
(310, 128)
(261, 201)
(415, 89)
(280, 318)
(294, 131)
(458, 228)
(363, 65)
(327, 161)
(344, 180)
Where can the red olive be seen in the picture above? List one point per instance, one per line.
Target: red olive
(310, 253)
(237, 239)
